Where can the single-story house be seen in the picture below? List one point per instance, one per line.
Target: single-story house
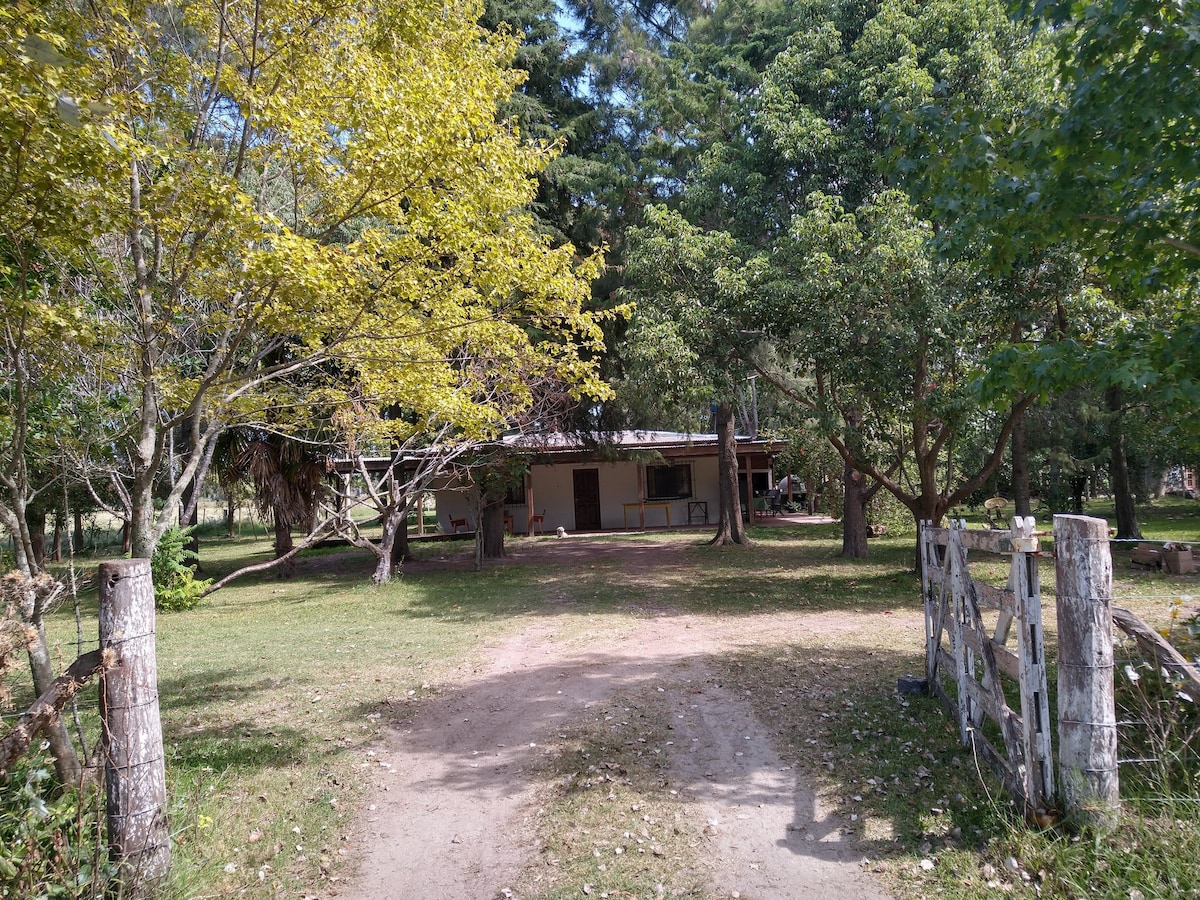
(636, 479)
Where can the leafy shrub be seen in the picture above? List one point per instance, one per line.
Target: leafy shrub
(175, 584)
(51, 844)
(884, 509)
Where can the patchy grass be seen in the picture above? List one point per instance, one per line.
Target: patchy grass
(272, 691)
(929, 814)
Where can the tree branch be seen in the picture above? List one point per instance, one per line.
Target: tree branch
(1175, 243)
(993, 461)
(315, 537)
(46, 708)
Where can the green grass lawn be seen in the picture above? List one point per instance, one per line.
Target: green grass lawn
(273, 692)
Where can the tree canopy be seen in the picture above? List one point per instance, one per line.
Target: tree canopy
(366, 222)
(300, 208)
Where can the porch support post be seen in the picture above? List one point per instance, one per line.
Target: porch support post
(529, 505)
(744, 466)
(641, 478)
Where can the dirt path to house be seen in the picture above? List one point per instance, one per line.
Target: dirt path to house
(452, 814)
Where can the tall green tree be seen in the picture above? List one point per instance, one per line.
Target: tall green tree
(1100, 155)
(839, 267)
(53, 164)
(1103, 151)
(881, 326)
(601, 80)
(685, 333)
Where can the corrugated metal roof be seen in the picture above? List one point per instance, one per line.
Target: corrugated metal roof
(630, 439)
(560, 442)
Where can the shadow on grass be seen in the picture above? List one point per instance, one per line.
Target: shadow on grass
(234, 743)
(897, 769)
(680, 577)
(203, 688)
(854, 589)
(808, 532)
(239, 745)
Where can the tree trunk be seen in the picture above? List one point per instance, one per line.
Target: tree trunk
(1127, 523)
(401, 551)
(46, 709)
(924, 508)
(385, 567)
(141, 519)
(1078, 487)
(31, 600)
(1019, 447)
(230, 510)
(66, 759)
(854, 495)
(393, 545)
(193, 519)
(730, 528)
(77, 541)
(146, 450)
(56, 540)
(36, 517)
(854, 514)
(283, 546)
(492, 523)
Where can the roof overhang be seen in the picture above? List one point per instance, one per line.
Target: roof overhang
(559, 447)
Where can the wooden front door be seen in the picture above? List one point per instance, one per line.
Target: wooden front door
(587, 499)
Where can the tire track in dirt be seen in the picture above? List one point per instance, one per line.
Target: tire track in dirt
(770, 836)
(451, 815)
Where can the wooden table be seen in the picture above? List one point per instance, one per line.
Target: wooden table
(664, 506)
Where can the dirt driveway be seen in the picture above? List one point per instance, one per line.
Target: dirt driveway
(453, 811)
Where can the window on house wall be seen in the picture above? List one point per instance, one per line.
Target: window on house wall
(668, 482)
(516, 494)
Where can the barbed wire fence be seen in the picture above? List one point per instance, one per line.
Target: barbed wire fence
(1157, 673)
(129, 751)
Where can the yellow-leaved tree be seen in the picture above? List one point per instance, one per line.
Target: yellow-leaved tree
(314, 206)
(54, 163)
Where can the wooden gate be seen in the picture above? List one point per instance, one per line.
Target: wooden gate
(966, 668)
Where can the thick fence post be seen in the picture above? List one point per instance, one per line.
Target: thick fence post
(1087, 725)
(131, 730)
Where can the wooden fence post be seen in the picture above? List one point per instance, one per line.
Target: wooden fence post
(964, 655)
(928, 562)
(1087, 722)
(131, 730)
(1031, 652)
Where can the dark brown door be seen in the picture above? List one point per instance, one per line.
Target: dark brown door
(587, 499)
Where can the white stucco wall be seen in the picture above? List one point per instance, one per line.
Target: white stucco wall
(554, 496)
(554, 493)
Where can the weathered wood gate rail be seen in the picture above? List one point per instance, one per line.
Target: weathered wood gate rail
(966, 666)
